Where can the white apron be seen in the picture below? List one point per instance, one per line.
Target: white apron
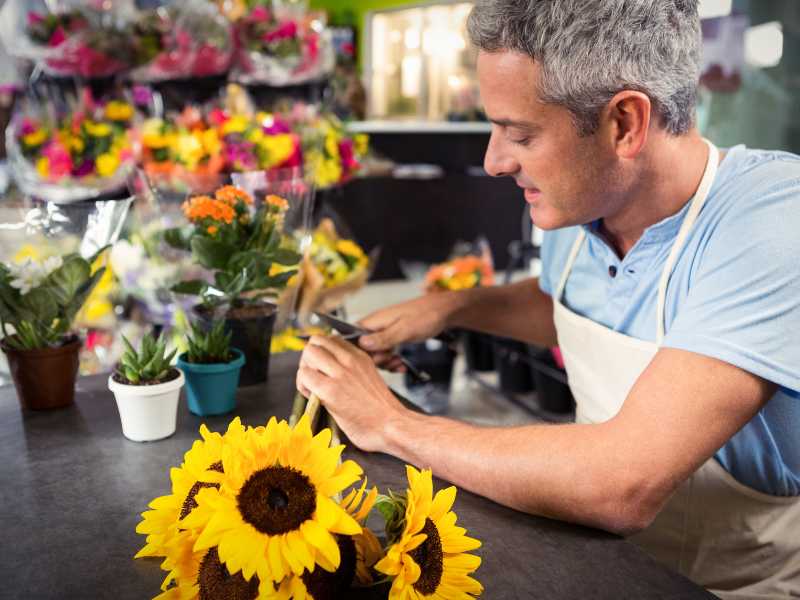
(733, 540)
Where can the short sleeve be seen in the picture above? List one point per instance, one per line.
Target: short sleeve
(743, 301)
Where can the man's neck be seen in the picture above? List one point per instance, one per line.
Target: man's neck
(671, 174)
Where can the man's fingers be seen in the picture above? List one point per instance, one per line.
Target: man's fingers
(310, 381)
(343, 351)
(322, 359)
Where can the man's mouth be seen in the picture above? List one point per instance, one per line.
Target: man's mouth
(532, 195)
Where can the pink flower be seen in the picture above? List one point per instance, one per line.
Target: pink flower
(60, 160)
(218, 117)
(58, 37)
(260, 13)
(34, 18)
(28, 126)
(286, 30)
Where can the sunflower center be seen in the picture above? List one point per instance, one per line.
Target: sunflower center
(322, 585)
(277, 500)
(428, 555)
(189, 503)
(217, 584)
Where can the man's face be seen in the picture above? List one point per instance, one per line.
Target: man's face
(567, 179)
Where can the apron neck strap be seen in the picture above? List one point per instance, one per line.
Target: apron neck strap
(691, 216)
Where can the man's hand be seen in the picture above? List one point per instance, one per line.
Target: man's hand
(348, 385)
(412, 321)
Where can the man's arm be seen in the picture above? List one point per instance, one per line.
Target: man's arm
(615, 475)
(519, 310)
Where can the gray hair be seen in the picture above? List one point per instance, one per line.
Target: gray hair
(589, 50)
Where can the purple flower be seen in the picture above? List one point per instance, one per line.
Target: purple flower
(84, 169)
(142, 95)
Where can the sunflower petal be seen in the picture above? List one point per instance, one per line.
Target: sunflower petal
(442, 503)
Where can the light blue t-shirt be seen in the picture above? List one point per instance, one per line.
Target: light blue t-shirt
(734, 295)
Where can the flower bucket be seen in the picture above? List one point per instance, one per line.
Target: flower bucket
(148, 412)
(45, 377)
(478, 351)
(511, 358)
(211, 388)
(251, 332)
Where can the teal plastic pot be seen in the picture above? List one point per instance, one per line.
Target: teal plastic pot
(211, 389)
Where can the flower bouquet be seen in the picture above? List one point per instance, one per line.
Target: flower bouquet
(333, 269)
(79, 154)
(259, 513)
(251, 259)
(182, 41)
(279, 48)
(85, 42)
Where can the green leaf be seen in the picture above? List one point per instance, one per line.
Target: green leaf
(285, 256)
(65, 281)
(191, 287)
(178, 238)
(212, 254)
(81, 295)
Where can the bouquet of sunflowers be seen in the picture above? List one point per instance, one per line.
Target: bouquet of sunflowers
(79, 154)
(282, 49)
(260, 513)
(333, 269)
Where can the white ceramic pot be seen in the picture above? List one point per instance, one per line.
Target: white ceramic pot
(147, 412)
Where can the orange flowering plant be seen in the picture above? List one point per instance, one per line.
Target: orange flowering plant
(242, 245)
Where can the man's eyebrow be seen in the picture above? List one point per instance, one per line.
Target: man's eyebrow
(513, 123)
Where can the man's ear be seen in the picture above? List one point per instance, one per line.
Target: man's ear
(626, 122)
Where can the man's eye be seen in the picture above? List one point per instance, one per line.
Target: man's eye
(521, 141)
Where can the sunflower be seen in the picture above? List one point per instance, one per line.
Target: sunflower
(428, 560)
(201, 574)
(359, 553)
(165, 520)
(273, 514)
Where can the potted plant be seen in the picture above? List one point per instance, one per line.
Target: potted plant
(147, 388)
(251, 259)
(38, 304)
(212, 370)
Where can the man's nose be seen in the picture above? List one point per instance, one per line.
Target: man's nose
(497, 162)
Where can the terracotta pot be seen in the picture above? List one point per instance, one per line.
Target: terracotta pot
(44, 377)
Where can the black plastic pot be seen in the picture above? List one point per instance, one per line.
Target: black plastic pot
(478, 350)
(554, 396)
(431, 356)
(251, 332)
(514, 371)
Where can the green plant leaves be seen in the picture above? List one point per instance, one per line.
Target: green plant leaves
(210, 253)
(191, 287)
(65, 281)
(178, 238)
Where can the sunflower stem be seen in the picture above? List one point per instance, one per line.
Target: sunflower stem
(298, 408)
(312, 409)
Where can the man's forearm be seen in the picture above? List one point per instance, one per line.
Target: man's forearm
(548, 470)
(519, 310)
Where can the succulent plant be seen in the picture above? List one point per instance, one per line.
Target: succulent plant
(149, 365)
(209, 347)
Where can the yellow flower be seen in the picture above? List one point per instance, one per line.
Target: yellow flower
(350, 248)
(255, 135)
(279, 148)
(359, 553)
(188, 149)
(429, 558)
(361, 143)
(118, 111)
(276, 269)
(106, 164)
(332, 145)
(75, 143)
(43, 167)
(164, 521)
(236, 124)
(35, 138)
(211, 142)
(97, 130)
(273, 514)
(29, 251)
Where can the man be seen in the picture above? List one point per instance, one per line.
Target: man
(670, 281)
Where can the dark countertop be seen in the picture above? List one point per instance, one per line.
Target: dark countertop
(72, 489)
